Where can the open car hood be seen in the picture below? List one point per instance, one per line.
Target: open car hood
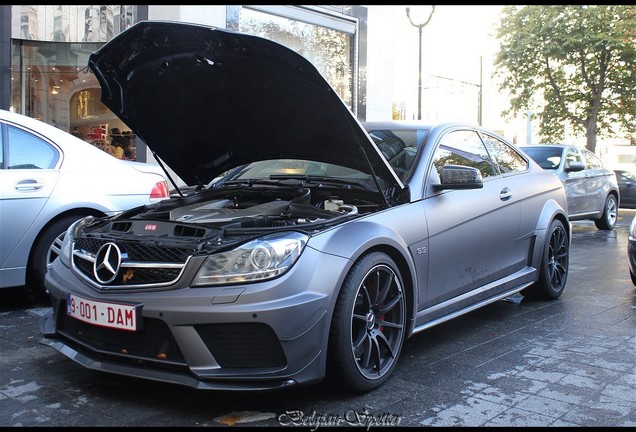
(206, 99)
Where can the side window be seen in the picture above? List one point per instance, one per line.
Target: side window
(27, 151)
(463, 148)
(506, 157)
(591, 160)
(572, 155)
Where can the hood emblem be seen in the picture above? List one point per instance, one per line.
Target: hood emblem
(107, 262)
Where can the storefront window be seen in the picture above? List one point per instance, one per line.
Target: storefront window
(56, 87)
(50, 79)
(45, 75)
(330, 50)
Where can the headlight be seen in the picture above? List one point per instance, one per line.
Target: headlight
(632, 229)
(257, 260)
(66, 249)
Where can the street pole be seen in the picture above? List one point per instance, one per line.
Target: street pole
(419, 81)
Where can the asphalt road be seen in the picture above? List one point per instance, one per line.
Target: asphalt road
(569, 362)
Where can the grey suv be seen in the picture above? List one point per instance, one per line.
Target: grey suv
(591, 189)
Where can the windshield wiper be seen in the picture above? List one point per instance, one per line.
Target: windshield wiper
(321, 179)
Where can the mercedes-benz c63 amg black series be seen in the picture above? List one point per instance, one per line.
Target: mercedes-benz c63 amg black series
(308, 245)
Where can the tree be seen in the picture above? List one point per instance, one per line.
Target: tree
(570, 65)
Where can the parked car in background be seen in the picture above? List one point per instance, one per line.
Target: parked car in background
(631, 250)
(591, 189)
(627, 188)
(321, 248)
(48, 180)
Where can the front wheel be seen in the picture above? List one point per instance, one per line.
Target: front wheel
(553, 271)
(610, 214)
(369, 324)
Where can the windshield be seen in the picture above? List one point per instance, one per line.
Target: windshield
(398, 146)
(262, 170)
(546, 157)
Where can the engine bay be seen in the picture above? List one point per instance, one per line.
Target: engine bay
(235, 211)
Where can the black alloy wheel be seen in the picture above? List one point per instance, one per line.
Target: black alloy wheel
(555, 259)
(369, 324)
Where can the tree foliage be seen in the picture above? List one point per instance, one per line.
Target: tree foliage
(570, 65)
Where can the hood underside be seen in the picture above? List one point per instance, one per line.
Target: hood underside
(206, 100)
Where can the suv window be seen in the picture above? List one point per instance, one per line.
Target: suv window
(572, 155)
(591, 160)
(546, 157)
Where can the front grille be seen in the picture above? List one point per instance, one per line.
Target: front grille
(137, 251)
(153, 342)
(142, 264)
(242, 345)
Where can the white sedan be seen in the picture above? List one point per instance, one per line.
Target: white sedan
(48, 180)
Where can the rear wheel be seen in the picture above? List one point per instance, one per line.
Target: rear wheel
(555, 258)
(45, 250)
(369, 324)
(610, 214)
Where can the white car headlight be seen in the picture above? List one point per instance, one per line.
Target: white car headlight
(66, 248)
(258, 260)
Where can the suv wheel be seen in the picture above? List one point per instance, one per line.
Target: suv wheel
(610, 214)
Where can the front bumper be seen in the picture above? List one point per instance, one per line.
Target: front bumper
(263, 336)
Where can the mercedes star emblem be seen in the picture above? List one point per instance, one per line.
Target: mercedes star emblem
(107, 263)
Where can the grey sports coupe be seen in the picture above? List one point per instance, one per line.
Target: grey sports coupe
(320, 244)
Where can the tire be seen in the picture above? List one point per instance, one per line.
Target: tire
(553, 271)
(369, 324)
(45, 250)
(610, 214)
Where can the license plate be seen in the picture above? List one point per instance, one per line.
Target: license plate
(104, 314)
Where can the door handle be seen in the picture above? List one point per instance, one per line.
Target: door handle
(27, 185)
(505, 194)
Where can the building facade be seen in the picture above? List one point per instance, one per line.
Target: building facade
(48, 46)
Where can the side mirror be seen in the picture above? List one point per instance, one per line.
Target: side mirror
(572, 166)
(459, 177)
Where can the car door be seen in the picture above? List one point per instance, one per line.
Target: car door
(596, 181)
(27, 178)
(574, 182)
(627, 184)
(472, 233)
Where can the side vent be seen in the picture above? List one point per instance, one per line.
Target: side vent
(121, 226)
(186, 231)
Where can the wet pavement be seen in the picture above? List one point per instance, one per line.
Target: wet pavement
(569, 362)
